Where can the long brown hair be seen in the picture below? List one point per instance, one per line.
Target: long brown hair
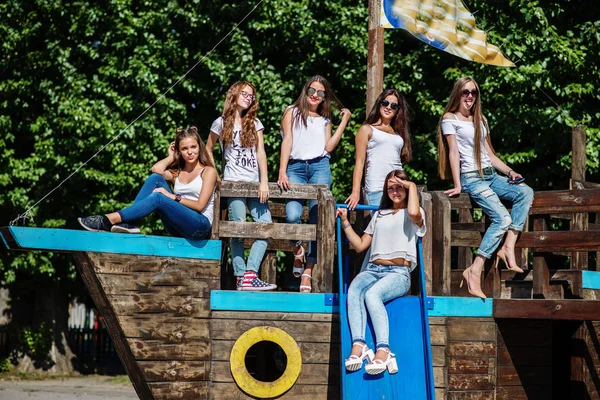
(186, 133)
(452, 107)
(248, 135)
(324, 108)
(399, 121)
(387, 203)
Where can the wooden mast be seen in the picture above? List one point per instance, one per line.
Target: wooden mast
(375, 55)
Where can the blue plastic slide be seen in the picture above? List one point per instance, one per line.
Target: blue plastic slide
(409, 340)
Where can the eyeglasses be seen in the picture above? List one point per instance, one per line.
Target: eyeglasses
(385, 103)
(311, 91)
(394, 188)
(466, 93)
(247, 95)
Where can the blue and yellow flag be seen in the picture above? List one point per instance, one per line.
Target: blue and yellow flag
(445, 24)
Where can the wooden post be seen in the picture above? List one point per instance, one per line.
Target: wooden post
(441, 277)
(323, 277)
(375, 54)
(427, 205)
(541, 274)
(579, 222)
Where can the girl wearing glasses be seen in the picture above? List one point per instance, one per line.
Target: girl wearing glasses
(467, 157)
(383, 141)
(307, 143)
(240, 135)
(392, 237)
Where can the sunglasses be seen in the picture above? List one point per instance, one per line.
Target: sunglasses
(466, 93)
(385, 103)
(248, 95)
(311, 91)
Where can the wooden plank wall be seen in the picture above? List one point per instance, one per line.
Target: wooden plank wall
(156, 310)
(316, 334)
(591, 357)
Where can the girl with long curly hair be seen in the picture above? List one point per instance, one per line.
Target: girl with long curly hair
(185, 211)
(240, 135)
(466, 155)
(307, 143)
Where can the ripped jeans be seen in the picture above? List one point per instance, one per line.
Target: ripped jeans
(487, 192)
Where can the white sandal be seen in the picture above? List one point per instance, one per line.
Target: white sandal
(354, 362)
(297, 272)
(376, 367)
(306, 288)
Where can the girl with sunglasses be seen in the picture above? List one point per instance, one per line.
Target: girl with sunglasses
(383, 142)
(392, 237)
(186, 211)
(466, 155)
(307, 143)
(240, 135)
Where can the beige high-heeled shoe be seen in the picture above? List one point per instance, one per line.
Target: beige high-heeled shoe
(475, 292)
(502, 256)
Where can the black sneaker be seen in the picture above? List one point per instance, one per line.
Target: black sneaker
(125, 228)
(95, 223)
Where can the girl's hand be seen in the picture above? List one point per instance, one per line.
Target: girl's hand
(172, 149)
(345, 114)
(263, 192)
(283, 181)
(453, 192)
(403, 183)
(342, 213)
(512, 175)
(164, 192)
(352, 200)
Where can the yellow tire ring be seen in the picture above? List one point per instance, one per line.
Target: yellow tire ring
(242, 377)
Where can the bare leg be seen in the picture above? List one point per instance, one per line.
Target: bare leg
(509, 248)
(473, 277)
(114, 218)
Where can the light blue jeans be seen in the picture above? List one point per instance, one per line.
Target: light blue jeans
(373, 199)
(313, 172)
(371, 288)
(237, 212)
(487, 192)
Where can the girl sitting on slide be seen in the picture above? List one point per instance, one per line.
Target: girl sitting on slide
(392, 237)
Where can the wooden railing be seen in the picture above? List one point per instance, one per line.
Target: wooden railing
(454, 227)
(280, 234)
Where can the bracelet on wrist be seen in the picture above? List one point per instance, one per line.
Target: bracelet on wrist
(509, 171)
(345, 225)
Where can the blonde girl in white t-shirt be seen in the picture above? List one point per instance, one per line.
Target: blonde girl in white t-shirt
(392, 238)
(240, 134)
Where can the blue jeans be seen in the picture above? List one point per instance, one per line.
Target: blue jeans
(487, 192)
(313, 172)
(178, 219)
(373, 199)
(374, 286)
(237, 212)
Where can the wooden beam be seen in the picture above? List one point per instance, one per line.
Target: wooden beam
(259, 230)
(250, 189)
(465, 238)
(541, 275)
(565, 201)
(462, 201)
(375, 54)
(322, 281)
(559, 241)
(578, 142)
(441, 284)
(547, 309)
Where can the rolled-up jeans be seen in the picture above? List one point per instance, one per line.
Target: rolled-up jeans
(487, 191)
(178, 219)
(237, 212)
(313, 172)
(368, 291)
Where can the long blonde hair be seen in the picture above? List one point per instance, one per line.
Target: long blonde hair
(478, 121)
(248, 135)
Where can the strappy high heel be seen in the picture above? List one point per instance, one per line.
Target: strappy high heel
(475, 292)
(354, 362)
(298, 271)
(376, 367)
(501, 255)
(306, 288)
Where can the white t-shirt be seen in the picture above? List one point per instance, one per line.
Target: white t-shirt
(241, 164)
(308, 141)
(383, 156)
(394, 236)
(465, 137)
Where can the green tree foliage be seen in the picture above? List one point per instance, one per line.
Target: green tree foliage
(75, 74)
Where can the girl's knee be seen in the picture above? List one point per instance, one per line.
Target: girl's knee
(293, 212)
